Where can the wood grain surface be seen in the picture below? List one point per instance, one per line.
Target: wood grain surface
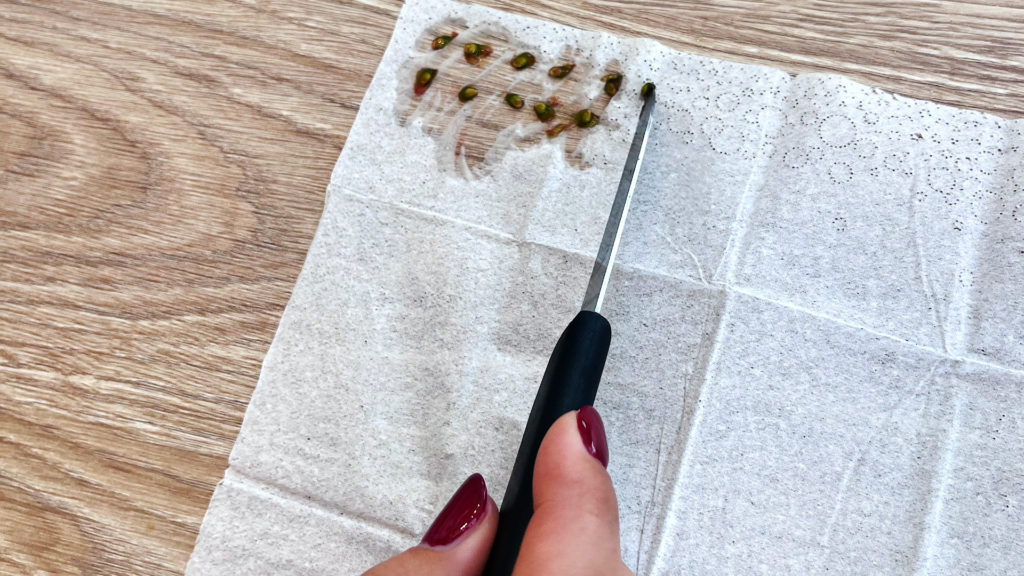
(162, 169)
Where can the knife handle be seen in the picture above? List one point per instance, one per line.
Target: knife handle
(570, 382)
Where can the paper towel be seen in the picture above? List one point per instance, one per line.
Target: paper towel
(818, 356)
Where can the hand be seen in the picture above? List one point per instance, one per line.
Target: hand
(575, 524)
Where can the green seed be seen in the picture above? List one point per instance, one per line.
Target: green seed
(468, 93)
(474, 52)
(561, 71)
(612, 83)
(523, 60)
(556, 130)
(514, 100)
(442, 41)
(586, 119)
(424, 76)
(646, 89)
(544, 111)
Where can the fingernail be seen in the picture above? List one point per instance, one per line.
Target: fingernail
(592, 433)
(464, 511)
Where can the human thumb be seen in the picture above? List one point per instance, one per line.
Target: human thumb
(575, 524)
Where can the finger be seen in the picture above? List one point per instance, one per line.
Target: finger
(458, 541)
(575, 524)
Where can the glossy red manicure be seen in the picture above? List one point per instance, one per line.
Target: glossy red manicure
(592, 433)
(464, 511)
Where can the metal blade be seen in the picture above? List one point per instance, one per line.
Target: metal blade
(617, 218)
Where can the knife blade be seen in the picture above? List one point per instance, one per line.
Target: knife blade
(574, 370)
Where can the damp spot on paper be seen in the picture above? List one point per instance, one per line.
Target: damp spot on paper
(480, 93)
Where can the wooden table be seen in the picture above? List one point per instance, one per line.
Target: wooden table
(162, 169)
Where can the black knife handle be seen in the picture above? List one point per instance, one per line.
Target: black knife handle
(570, 382)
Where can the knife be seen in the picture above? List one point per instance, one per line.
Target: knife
(574, 370)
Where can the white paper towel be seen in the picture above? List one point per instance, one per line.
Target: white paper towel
(818, 355)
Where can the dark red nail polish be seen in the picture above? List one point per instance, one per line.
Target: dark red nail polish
(465, 509)
(592, 432)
